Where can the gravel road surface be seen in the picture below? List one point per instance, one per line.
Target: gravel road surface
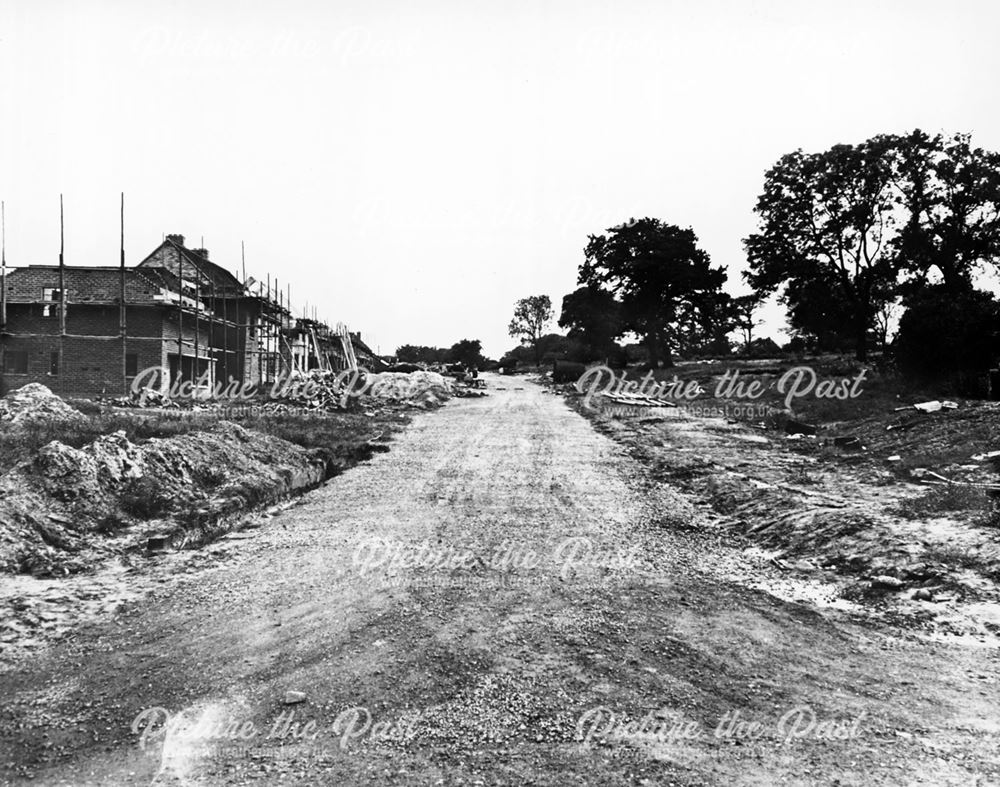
(504, 598)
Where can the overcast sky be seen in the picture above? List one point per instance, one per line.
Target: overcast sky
(413, 168)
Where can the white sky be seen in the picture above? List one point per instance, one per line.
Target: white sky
(413, 168)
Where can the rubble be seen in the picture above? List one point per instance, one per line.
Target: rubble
(314, 390)
(148, 397)
(35, 403)
(320, 390)
(887, 582)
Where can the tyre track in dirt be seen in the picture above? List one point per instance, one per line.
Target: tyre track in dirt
(483, 672)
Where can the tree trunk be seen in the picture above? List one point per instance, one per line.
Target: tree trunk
(861, 332)
(653, 347)
(659, 350)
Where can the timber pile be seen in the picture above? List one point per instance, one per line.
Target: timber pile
(638, 400)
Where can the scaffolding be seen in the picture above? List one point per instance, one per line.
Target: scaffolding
(238, 328)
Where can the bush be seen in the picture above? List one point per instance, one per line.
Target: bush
(948, 337)
(761, 348)
(567, 371)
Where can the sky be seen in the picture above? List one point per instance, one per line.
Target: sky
(413, 168)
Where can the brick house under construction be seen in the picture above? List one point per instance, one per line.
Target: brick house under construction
(244, 328)
(183, 315)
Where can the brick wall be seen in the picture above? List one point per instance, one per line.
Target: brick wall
(82, 284)
(91, 366)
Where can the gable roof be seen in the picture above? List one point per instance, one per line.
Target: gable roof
(178, 259)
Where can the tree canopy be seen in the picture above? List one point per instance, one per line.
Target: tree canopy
(665, 283)
(844, 232)
(951, 192)
(594, 318)
(468, 352)
(832, 217)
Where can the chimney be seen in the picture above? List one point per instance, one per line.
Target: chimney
(178, 239)
(201, 252)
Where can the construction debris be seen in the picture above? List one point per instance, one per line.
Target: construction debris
(147, 397)
(930, 407)
(322, 390)
(35, 403)
(468, 393)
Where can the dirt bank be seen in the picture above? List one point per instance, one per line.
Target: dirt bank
(77, 487)
(67, 507)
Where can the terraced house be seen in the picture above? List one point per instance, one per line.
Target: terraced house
(88, 331)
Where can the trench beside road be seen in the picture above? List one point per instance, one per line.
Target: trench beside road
(536, 576)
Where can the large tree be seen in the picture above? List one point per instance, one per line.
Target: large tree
(594, 318)
(531, 315)
(951, 192)
(660, 276)
(831, 216)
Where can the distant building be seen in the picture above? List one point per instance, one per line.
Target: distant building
(367, 358)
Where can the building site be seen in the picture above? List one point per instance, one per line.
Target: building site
(88, 331)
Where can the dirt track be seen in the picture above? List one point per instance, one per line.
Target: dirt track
(481, 671)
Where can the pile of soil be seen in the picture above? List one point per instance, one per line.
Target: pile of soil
(59, 510)
(33, 403)
(419, 389)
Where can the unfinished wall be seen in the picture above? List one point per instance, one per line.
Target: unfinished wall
(91, 366)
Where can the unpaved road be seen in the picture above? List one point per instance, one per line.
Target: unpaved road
(538, 579)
